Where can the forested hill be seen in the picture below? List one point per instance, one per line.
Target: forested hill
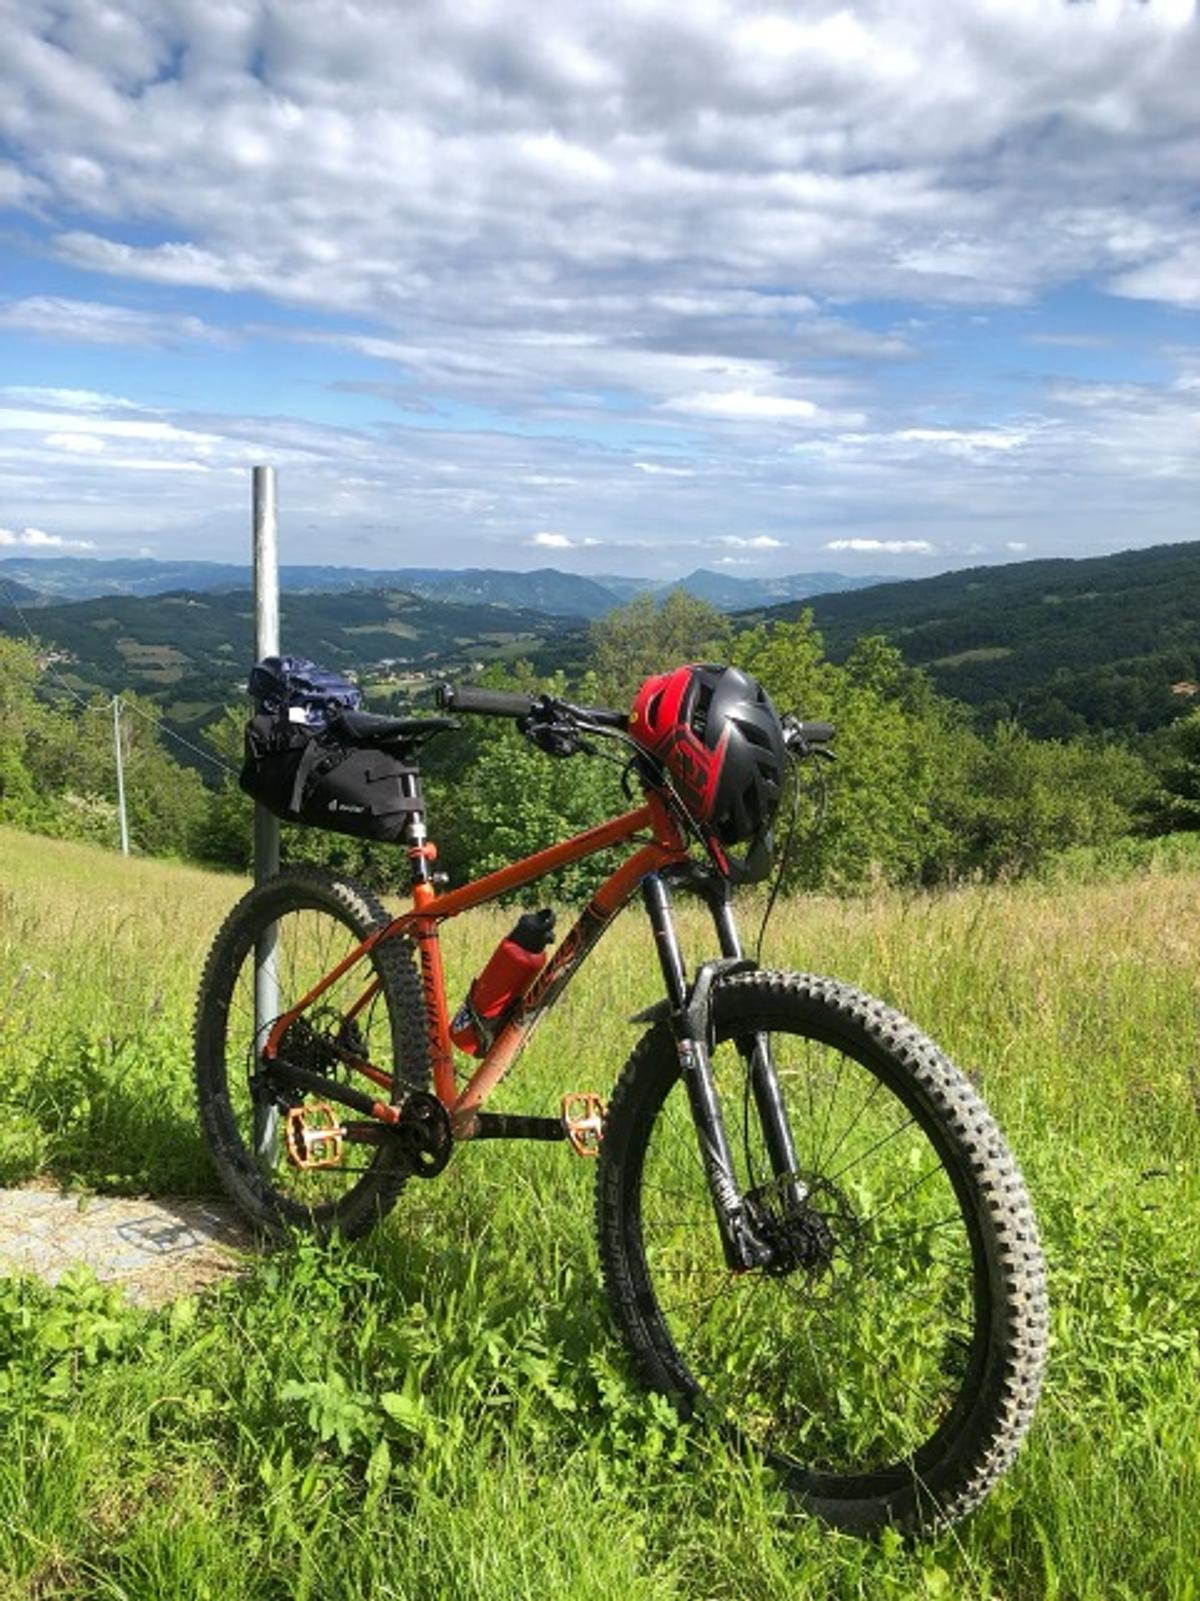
(1107, 643)
(191, 651)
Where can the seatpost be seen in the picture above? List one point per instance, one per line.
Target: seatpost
(420, 852)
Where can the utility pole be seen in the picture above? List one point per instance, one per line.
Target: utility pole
(120, 755)
(266, 827)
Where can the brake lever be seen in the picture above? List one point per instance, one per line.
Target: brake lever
(552, 738)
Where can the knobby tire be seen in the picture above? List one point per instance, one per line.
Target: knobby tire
(319, 917)
(891, 1378)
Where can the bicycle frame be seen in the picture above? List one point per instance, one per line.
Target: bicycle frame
(667, 847)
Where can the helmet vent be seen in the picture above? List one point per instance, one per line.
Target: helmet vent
(699, 719)
(755, 735)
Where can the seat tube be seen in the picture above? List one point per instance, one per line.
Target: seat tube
(421, 854)
(742, 1249)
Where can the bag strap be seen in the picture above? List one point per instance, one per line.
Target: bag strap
(309, 757)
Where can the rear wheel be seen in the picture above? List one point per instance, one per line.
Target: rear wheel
(888, 1361)
(315, 919)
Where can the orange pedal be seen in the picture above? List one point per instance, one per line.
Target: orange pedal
(583, 1117)
(314, 1135)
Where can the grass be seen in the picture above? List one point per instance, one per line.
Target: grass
(443, 1411)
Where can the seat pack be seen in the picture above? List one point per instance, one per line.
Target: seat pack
(305, 769)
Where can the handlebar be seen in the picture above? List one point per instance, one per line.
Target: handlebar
(811, 733)
(487, 702)
(545, 714)
(506, 703)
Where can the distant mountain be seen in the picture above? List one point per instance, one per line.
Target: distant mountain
(729, 593)
(14, 592)
(192, 650)
(546, 589)
(1104, 643)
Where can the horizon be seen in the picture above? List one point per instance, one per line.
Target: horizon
(873, 289)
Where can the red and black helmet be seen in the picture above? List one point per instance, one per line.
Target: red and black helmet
(717, 734)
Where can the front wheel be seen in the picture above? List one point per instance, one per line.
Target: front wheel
(887, 1362)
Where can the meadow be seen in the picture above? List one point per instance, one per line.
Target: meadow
(443, 1410)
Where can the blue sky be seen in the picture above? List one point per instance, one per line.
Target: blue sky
(622, 287)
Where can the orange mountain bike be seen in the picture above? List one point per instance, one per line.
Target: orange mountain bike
(811, 1232)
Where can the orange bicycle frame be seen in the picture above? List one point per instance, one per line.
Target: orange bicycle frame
(665, 847)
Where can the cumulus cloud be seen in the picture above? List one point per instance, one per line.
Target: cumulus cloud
(892, 547)
(551, 541)
(563, 275)
(742, 403)
(757, 542)
(38, 539)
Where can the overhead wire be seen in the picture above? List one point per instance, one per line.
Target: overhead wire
(122, 704)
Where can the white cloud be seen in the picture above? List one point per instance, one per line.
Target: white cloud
(77, 444)
(549, 541)
(1173, 277)
(37, 539)
(569, 258)
(963, 440)
(758, 542)
(741, 404)
(68, 399)
(890, 547)
(95, 323)
(1016, 545)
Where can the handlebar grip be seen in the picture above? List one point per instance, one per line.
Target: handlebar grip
(816, 733)
(487, 702)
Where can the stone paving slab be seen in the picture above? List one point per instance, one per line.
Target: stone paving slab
(154, 1249)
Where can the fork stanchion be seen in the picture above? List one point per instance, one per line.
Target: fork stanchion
(266, 643)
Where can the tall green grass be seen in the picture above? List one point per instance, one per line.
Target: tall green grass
(443, 1410)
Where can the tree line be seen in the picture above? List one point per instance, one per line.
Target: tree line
(921, 794)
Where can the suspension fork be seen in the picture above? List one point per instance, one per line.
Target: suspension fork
(756, 1053)
(689, 1015)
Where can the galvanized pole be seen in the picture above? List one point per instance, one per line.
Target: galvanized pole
(266, 827)
(120, 775)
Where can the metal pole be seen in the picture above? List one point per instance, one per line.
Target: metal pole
(266, 641)
(266, 827)
(120, 775)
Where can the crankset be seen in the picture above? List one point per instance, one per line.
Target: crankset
(423, 1133)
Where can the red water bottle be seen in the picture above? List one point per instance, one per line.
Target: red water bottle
(511, 969)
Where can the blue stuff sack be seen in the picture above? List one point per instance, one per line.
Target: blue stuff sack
(301, 691)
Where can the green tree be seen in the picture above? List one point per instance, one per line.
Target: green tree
(644, 637)
(874, 816)
(1174, 756)
(165, 802)
(24, 723)
(1020, 800)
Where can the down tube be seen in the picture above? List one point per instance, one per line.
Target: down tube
(612, 895)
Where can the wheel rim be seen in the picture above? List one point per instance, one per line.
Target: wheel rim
(851, 1362)
(310, 942)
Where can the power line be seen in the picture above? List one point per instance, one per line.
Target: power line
(156, 722)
